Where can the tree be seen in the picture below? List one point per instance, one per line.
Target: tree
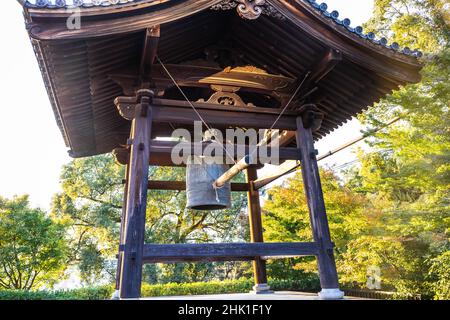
(440, 276)
(32, 246)
(91, 204)
(407, 176)
(286, 218)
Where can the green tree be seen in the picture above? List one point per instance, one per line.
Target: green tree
(91, 205)
(407, 176)
(286, 218)
(440, 276)
(32, 246)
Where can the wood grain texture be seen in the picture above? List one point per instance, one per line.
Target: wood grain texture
(255, 222)
(154, 253)
(181, 112)
(122, 227)
(134, 229)
(49, 28)
(316, 206)
(161, 152)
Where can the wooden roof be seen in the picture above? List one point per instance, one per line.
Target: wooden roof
(83, 68)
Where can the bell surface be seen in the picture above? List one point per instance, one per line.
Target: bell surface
(200, 192)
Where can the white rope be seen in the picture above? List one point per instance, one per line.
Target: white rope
(192, 106)
(290, 100)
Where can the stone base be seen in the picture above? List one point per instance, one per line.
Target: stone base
(331, 294)
(115, 295)
(261, 288)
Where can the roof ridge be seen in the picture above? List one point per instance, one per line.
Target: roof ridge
(334, 16)
(58, 4)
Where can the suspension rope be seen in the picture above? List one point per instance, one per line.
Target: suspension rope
(291, 99)
(193, 107)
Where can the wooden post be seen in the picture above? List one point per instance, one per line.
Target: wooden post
(136, 201)
(318, 217)
(116, 294)
(256, 231)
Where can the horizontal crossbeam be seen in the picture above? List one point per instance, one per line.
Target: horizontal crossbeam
(180, 112)
(170, 253)
(161, 152)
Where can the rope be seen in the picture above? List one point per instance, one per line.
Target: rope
(192, 105)
(290, 100)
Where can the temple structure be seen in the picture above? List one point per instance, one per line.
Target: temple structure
(122, 73)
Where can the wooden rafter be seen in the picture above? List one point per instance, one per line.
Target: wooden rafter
(317, 72)
(149, 52)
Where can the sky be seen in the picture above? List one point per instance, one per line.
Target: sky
(32, 149)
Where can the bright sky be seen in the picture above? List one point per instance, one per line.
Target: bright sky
(33, 150)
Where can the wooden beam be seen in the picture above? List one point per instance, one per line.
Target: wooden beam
(325, 65)
(149, 51)
(256, 228)
(156, 253)
(161, 152)
(122, 228)
(317, 72)
(316, 205)
(203, 77)
(136, 201)
(282, 170)
(181, 186)
(180, 112)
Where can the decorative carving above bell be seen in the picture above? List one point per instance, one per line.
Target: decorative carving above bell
(227, 96)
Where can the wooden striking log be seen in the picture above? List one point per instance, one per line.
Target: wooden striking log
(256, 228)
(316, 205)
(244, 163)
(155, 253)
(282, 170)
(290, 166)
(181, 185)
(136, 196)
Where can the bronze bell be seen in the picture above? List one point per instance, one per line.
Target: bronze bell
(201, 173)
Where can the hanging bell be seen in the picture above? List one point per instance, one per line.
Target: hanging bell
(201, 172)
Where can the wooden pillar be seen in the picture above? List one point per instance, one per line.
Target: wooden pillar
(136, 201)
(316, 205)
(116, 294)
(256, 230)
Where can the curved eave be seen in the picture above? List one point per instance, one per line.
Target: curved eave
(350, 33)
(364, 52)
(143, 14)
(51, 25)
